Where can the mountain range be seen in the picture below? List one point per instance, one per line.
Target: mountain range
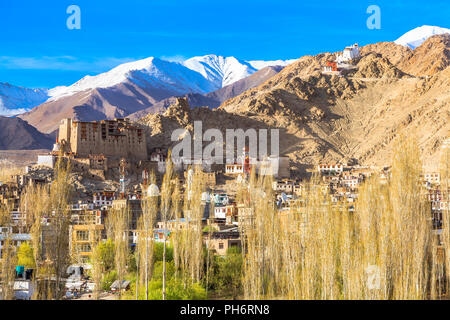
(357, 118)
(16, 134)
(417, 36)
(195, 75)
(139, 85)
(151, 85)
(15, 100)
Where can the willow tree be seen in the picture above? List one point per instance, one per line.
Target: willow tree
(119, 221)
(35, 204)
(58, 246)
(167, 188)
(411, 229)
(209, 255)
(193, 242)
(9, 258)
(312, 232)
(381, 247)
(97, 264)
(145, 245)
(261, 231)
(177, 234)
(445, 189)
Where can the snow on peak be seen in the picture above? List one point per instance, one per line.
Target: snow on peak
(196, 75)
(221, 71)
(16, 100)
(417, 36)
(104, 80)
(260, 64)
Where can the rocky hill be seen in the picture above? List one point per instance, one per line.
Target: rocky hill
(331, 118)
(17, 134)
(141, 85)
(215, 98)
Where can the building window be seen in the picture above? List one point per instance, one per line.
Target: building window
(86, 247)
(220, 245)
(82, 235)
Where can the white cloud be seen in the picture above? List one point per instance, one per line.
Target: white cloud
(175, 58)
(67, 63)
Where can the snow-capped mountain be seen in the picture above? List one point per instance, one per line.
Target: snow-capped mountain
(150, 72)
(16, 100)
(260, 64)
(161, 79)
(220, 71)
(223, 71)
(417, 36)
(195, 75)
(136, 86)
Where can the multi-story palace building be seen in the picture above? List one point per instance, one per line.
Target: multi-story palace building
(111, 138)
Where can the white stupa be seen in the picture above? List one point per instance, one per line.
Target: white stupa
(153, 191)
(56, 147)
(206, 197)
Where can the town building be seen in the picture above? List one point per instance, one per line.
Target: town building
(234, 168)
(351, 182)
(433, 178)
(284, 185)
(135, 210)
(15, 239)
(220, 211)
(221, 241)
(331, 68)
(111, 138)
(208, 179)
(349, 54)
(330, 169)
(104, 198)
(231, 214)
(83, 237)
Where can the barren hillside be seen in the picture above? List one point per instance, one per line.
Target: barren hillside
(331, 118)
(17, 134)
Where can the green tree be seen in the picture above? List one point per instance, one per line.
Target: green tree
(25, 256)
(104, 253)
(159, 252)
(227, 278)
(175, 290)
(108, 280)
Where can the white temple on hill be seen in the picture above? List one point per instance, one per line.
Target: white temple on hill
(349, 54)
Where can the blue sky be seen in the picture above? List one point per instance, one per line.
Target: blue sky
(38, 50)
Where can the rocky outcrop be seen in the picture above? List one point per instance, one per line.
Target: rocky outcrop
(332, 118)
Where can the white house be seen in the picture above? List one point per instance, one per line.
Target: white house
(350, 181)
(47, 160)
(235, 168)
(330, 168)
(220, 212)
(103, 199)
(432, 178)
(350, 53)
